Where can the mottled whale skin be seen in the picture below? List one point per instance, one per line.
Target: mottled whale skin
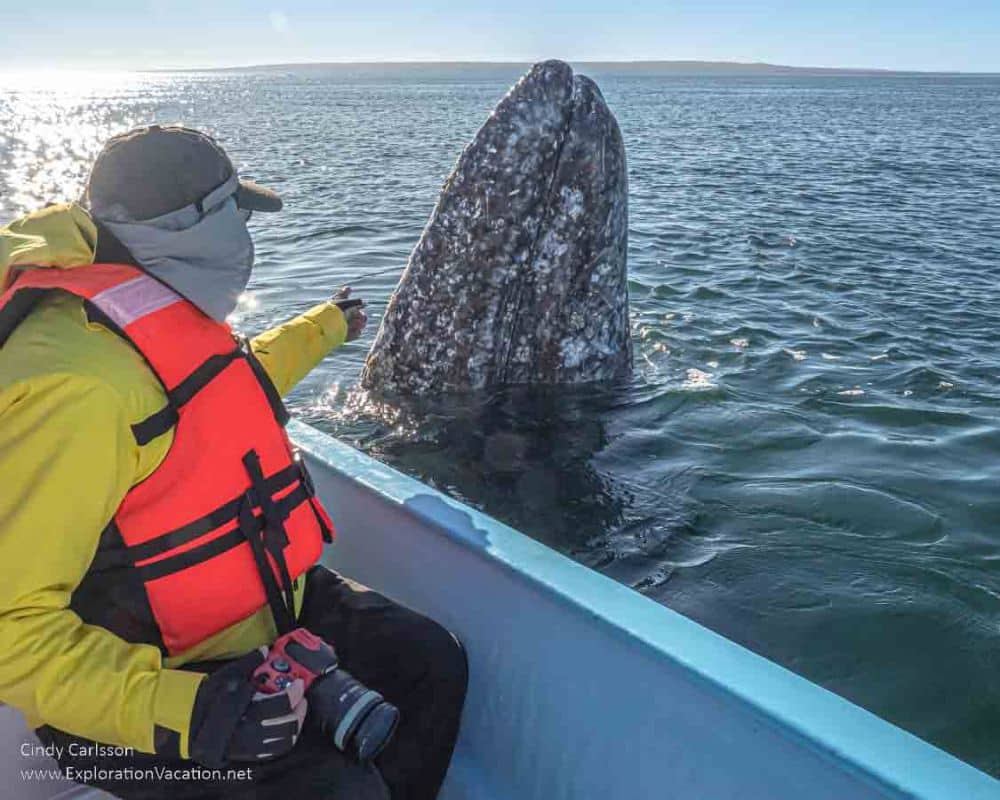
(520, 274)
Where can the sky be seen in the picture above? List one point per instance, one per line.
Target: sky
(936, 35)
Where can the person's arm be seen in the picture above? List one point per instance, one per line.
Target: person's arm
(289, 351)
(67, 458)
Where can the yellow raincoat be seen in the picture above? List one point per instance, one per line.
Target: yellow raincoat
(69, 392)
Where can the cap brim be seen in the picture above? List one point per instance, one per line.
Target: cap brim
(252, 197)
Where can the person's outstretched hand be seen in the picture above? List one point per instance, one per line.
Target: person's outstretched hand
(355, 315)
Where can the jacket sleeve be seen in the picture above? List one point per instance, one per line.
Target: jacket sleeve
(67, 458)
(289, 351)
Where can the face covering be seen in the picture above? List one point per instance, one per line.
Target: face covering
(202, 251)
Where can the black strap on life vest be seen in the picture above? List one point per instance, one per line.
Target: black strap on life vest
(274, 400)
(161, 421)
(167, 417)
(115, 558)
(284, 620)
(24, 301)
(274, 541)
(223, 543)
(309, 486)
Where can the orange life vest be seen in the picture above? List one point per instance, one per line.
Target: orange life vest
(229, 520)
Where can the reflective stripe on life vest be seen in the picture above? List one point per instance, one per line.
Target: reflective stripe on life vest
(132, 300)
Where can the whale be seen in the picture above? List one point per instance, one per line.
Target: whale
(520, 275)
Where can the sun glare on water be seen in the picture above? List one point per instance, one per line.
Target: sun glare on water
(52, 125)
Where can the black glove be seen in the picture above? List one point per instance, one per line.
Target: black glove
(354, 312)
(232, 721)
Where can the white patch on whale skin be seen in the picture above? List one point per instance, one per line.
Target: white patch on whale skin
(572, 199)
(573, 351)
(552, 248)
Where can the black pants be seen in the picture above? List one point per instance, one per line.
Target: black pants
(414, 662)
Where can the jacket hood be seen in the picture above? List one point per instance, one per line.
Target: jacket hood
(61, 236)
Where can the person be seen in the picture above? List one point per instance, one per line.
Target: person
(157, 529)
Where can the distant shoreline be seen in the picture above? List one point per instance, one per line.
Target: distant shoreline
(629, 68)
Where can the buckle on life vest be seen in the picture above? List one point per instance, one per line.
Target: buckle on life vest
(279, 596)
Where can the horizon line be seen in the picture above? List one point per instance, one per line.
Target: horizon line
(635, 62)
(683, 66)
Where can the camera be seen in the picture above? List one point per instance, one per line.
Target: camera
(358, 719)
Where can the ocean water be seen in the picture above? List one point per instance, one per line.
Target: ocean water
(807, 458)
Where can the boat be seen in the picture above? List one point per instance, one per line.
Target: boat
(581, 688)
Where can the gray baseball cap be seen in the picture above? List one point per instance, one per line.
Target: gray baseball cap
(154, 170)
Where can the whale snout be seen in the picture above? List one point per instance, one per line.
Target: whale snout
(520, 275)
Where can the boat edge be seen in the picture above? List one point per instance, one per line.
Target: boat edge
(828, 723)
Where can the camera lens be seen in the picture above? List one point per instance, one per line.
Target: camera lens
(359, 719)
(375, 731)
